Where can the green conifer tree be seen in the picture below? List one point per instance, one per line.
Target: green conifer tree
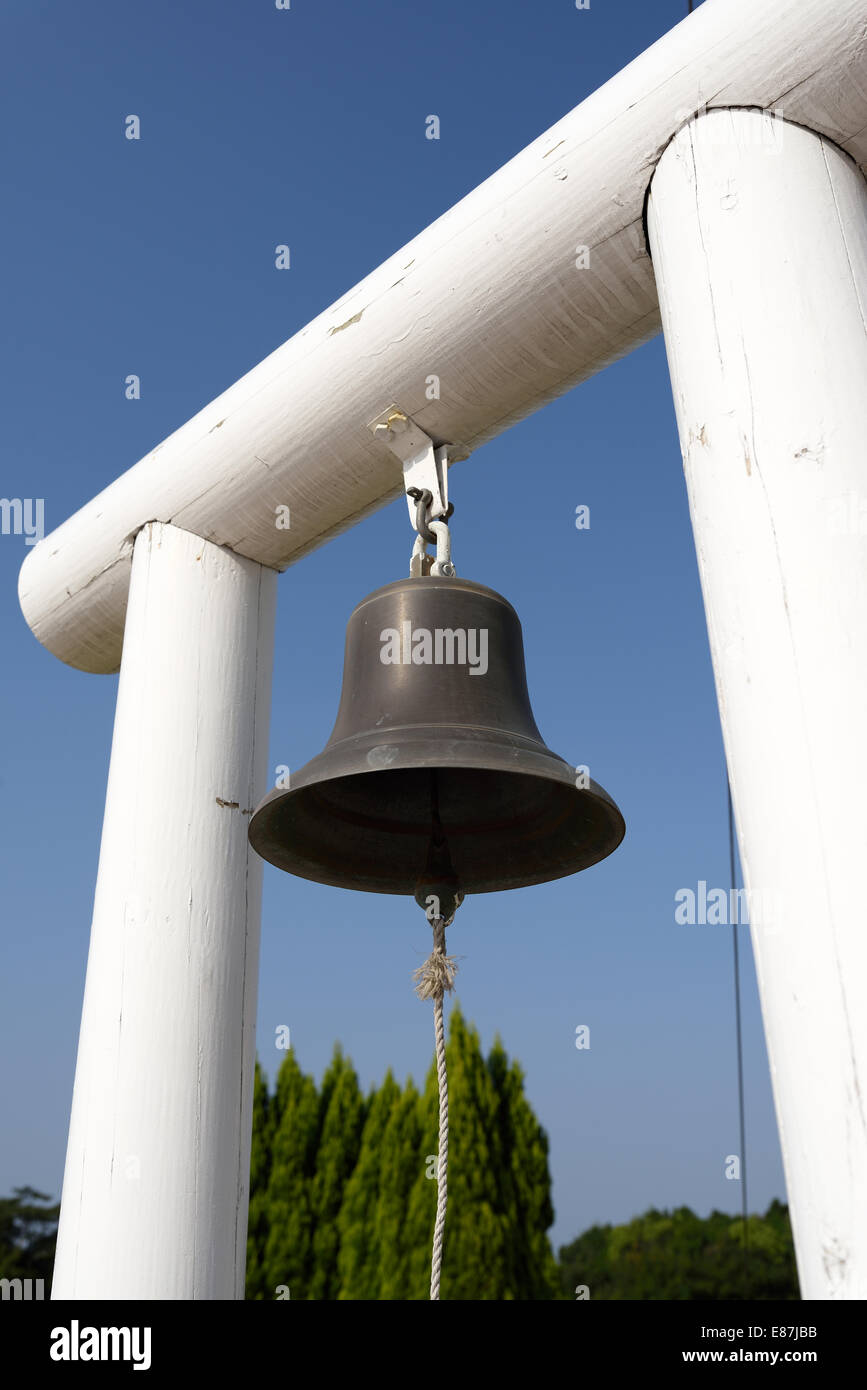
(359, 1255)
(402, 1160)
(341, 1120)
(499, 1189)
(260, 1169)
(350, 1194)
(421, 1208)
(288, 1255)
(476, 1249)
(532, 1270)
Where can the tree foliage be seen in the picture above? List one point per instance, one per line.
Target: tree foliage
(345, 1208)
(678, 1255)
(28, 1230)
(343, 1201)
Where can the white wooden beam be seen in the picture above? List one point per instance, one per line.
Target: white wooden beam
(759, 238)
(155, 1191)
(488, 299)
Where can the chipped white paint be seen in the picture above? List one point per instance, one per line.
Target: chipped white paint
(157, 1171)
(759, 241)
(488, 298)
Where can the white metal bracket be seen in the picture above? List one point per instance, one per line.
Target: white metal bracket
(425, 465)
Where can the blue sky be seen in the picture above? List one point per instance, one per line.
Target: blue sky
(155, 257)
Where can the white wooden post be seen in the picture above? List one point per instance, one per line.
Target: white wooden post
(758, 232)
(155, 1191)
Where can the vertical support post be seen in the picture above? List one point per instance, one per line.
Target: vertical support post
(758, 231)
(155, 1191)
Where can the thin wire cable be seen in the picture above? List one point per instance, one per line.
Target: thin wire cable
(432, 980)
(740, 1047)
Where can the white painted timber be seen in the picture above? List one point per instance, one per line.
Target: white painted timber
(759, 237)
(157, 1171)
(488, 298)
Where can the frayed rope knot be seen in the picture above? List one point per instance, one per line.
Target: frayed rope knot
(437, 974)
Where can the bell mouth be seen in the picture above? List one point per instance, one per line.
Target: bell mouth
(506, 826)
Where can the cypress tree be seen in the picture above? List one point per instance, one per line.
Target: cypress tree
(525, 1184)
(476, 1247)
(421, 1211)
(499, 1189)
(341, 1118)
(260, 1168)
(360, 1237)
(346, 1208)
(288, 1253)
(401, 1161)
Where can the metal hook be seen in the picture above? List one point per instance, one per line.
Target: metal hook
(423, 498)
(442, 565)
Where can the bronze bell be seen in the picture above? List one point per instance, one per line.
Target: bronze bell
(435, 778)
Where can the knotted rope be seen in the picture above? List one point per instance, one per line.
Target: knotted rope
(432, 980)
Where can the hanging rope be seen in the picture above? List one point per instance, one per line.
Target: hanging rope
(432, 980)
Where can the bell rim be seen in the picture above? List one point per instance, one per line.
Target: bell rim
(595, 792)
